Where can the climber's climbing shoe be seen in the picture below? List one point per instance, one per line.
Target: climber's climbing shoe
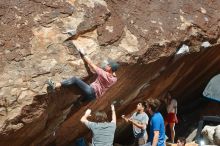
(51, 85)
(70, 32)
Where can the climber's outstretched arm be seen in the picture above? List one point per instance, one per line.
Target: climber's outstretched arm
(90, 63)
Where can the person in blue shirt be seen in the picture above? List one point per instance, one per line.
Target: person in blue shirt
(157, 129)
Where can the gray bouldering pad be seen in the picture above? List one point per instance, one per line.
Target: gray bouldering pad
(212, 90)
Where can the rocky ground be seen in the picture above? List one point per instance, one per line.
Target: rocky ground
(142, 35)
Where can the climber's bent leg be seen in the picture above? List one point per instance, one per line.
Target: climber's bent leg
(87, 90)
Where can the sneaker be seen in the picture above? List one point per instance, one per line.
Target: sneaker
(51, 84)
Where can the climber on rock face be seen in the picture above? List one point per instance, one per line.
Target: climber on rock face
(106, 77)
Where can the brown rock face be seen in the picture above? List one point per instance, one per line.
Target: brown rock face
(142, 35)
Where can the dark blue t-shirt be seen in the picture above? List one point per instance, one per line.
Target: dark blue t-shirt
(157, 124)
